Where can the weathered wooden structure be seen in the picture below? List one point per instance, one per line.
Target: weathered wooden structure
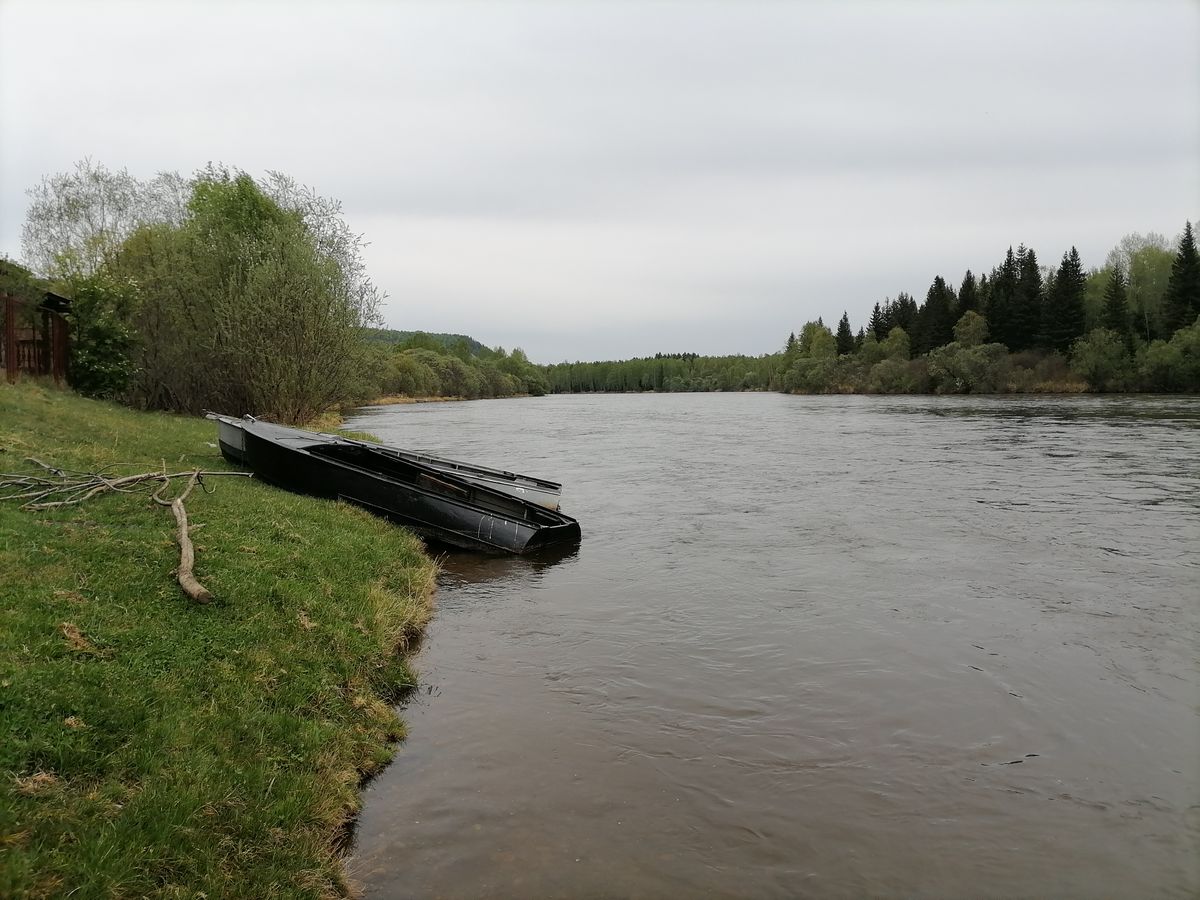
(34, 336)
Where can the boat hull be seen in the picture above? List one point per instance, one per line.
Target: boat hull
(525, 487)
(231, 439)
(435, 505)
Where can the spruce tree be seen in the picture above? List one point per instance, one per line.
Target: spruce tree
(1182, 300)
(1063, 320)
(968, 295)
(791, 349)
(876, 323)
(904, 312)
(935, 319)
(845, 337)
(1026, 316)
(1115, 314)
(859, 338)
(1001, 300)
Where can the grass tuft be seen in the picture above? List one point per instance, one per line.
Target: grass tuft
(150, 746)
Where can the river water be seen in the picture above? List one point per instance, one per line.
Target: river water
(811, 646)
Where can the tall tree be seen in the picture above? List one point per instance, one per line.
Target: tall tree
(935, 320)
(77, 220)
(1146, 260)
(876, 323)
(238, 308)
(845, 337)
(1183, 290)
(888, 319)
(1115, 315)
(1027, 301)
(904, 312)
(791, 352)
(1063, 313)
(968, 294)
(1000, 315)
(817, 341)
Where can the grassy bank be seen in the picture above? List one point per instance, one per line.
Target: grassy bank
(152, 746)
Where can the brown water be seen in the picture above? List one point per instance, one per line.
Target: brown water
(829, 647)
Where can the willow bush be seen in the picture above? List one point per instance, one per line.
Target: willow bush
(240, 296)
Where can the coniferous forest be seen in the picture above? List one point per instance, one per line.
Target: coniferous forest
(1132, 324)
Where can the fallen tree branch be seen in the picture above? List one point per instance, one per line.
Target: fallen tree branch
(187, 554)
(72, 488)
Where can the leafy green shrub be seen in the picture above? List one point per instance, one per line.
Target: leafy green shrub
(103, 341)
(1101, 360)
(1172, 365)
(809, 376)
(899, 376)
(959, 369)
(405, 374)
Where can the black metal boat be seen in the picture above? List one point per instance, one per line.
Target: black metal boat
(435, 504)
(526, 487)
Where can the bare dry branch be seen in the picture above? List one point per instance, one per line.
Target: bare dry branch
(75, 488)
(187, 554)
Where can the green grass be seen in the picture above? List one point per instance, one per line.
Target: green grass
(153, 746)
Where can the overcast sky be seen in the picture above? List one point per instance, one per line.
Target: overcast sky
(593, 181)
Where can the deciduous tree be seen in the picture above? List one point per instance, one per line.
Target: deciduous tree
(1146, 260)
(1101, 360)
(971, 330)
(77, 220)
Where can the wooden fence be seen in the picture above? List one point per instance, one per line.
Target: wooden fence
(35, 337)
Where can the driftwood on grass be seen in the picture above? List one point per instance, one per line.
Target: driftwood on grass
(65, 488)
(187, 555)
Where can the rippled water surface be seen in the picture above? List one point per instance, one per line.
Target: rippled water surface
(932, 647)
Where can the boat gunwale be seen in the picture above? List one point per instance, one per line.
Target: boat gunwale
(544, 485)
(566, 521)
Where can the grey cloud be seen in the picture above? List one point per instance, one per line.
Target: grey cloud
(617, 178)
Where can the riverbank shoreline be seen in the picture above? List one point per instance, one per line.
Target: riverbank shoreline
(151, 746)
(402, 399)
(334, 419)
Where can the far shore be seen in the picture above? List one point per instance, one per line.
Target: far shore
(399, 399)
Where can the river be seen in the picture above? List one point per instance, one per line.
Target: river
(811, 646)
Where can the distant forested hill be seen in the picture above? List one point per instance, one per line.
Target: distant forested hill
(425, 339)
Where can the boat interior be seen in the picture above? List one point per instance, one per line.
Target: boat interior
(379, 462)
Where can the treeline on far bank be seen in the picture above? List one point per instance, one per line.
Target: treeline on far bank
(434, 365)
(670, 372)
(1129, 325)
(1133, 325)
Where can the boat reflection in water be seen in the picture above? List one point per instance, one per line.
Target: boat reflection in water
(460, 568)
